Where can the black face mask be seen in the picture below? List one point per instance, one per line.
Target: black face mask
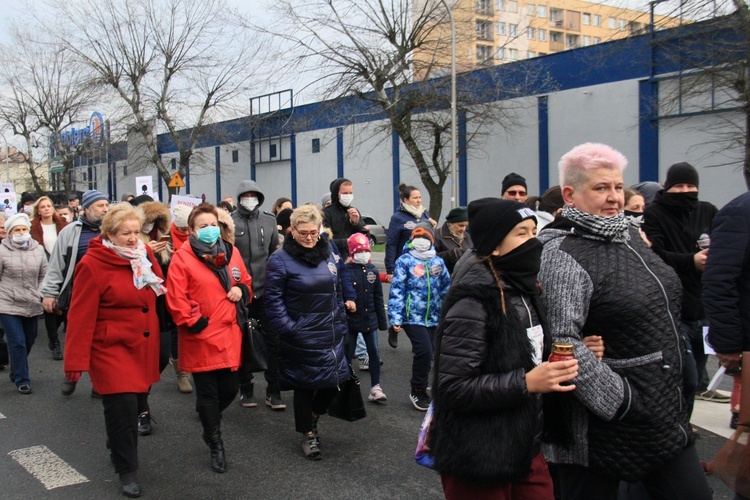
(520, 266)
(682, 201)
(630, 213)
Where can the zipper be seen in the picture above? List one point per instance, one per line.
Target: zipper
(531, 322)
(666, 300)
(333, 333)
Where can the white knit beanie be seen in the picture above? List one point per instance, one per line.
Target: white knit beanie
(180, 214)
(17, 220)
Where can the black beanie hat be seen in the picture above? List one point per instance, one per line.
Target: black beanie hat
(458, 214)
(681, 173)
(284, 218)
(491, 219)
(513, 179)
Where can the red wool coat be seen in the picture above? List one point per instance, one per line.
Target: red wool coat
(113, 329)
(219, 345)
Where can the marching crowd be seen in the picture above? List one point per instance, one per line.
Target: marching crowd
(622, 278)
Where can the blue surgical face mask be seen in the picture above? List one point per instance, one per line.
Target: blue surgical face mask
(208, 235)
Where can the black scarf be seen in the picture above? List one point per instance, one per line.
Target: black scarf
(520, 266)
(215, 257)
(93, 226)
(681, 202)
(308, 256)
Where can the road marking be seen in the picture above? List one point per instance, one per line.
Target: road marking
(51, 470)
(2, 416)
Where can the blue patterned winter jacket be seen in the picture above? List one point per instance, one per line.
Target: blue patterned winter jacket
(417, 290)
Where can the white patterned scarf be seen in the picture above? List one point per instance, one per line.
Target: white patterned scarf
(141, 266)
(416, 212)
(613, 228)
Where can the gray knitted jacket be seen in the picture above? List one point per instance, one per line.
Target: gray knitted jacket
(627, 412)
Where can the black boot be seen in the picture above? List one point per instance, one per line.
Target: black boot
(56, 351)
(211, 420)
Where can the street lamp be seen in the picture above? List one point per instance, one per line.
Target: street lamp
(454, 139)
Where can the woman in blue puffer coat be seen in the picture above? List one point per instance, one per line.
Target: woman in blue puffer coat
(420, 282)
(306, 309)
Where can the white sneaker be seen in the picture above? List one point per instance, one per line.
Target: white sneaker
(377, 395)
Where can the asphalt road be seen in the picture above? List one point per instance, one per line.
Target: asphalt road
(371, 458)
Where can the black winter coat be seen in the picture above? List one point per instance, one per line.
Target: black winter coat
(486, 427)
(674, 234)
(449, 248)
(370, 314)
(726, 281)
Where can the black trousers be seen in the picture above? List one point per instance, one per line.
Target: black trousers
(307, 402)
(258, 312)
(52, 323)
(121, 421)
(680, 478)
(216, 386)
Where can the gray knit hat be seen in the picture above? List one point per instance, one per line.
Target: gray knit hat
(90, 197)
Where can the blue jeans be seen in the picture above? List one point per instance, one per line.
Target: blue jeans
(422, 340)
(361, 351)
(371, 343)
(20, 333)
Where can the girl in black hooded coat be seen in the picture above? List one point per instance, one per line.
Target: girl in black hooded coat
(489, 370)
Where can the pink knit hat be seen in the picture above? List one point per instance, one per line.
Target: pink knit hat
(358, 242)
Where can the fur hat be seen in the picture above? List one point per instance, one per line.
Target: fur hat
(226, 224)
(158, 213)
(358, 242)
(491, 219)
(681, 173)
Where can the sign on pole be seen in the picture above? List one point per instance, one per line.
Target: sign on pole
(176, 181)
(144, 185)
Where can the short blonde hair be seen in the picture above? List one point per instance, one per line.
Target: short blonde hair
(576, 164)
(307, 214)
(35, 210)
(119, 214)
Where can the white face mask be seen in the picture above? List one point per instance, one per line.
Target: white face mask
(346, 199)
(249, 202)
(27, 209)
(68, 217)
(421, 244)
(21, 238)
(146, 228)
(361, 257)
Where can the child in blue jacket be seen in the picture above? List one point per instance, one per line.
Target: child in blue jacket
(369, 316)
(420, 282)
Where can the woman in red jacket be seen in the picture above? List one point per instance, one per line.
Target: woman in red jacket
(45, 226)
(113, 331)
(206, 279)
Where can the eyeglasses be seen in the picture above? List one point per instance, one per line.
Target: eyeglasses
(516, 193)
(308, 234)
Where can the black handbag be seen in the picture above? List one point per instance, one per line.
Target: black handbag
(349, 404)
(254, 353)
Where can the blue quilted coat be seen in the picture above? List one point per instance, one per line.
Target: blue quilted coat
(305, 307)
(417, 290)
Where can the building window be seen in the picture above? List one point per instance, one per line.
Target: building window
(597, 39)
(556, 17)
(484, 7)
(500, 54)
(586, 41)
(513, 54)
(572, 41)
(484, 30)
(555, 36)
(235, 156)
(586, 19)
(84, 175)
(612, 23)
(500, 4)
(500, 28)
(530, 54)
(272, 150)
(484, 54)
(621, 24)
(542, 35)
(173, 163)
(541, 11)
(316, 145)
(512, 6)
(513, 29)
(531, 10)
(125, 170)
(530, 33)
(597, 20)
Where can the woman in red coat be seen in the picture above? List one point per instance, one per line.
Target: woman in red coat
(113, 331)
(206, 279)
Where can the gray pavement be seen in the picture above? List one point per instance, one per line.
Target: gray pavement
(371, 458)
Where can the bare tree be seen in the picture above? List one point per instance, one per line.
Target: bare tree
(372, 49)
(176, 65)
(45, 92)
